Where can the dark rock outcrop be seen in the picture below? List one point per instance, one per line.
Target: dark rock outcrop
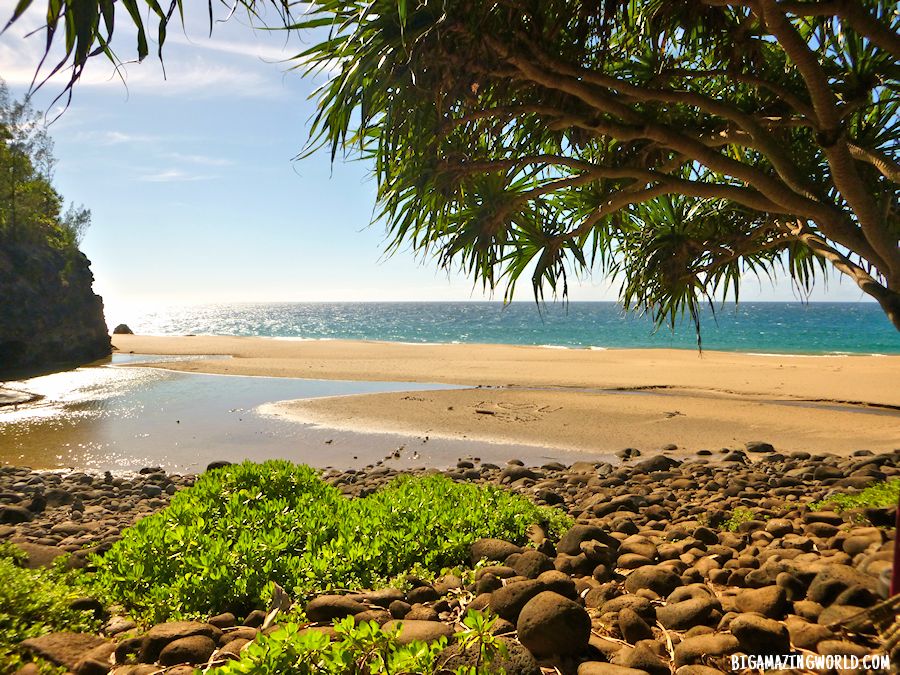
(49, 314)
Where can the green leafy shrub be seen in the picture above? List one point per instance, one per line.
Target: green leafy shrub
(737, 518)
(361, 649)
(35, 602)
(875, 496)
(219, 544)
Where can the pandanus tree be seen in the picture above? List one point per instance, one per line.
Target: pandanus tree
(675, 146)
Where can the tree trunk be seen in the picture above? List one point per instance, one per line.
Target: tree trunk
(890, 303)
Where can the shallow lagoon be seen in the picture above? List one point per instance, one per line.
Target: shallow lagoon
(122, 416)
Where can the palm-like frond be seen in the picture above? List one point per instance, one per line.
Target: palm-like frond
(677, 145)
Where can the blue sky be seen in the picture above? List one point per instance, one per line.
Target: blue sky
(195, 196)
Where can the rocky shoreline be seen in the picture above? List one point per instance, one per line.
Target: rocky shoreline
(671, 566)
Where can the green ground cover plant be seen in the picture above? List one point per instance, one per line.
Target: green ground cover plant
(35, 602)
(220, 544)
(738, 517)
(364, 649)
(875, 496)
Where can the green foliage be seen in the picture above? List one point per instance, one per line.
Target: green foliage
(34, 602)
(875, 496)
(30, 208)
(679, 147)
(219, 544)
(737, 518)
(360, 649)
(478, 638)
(676, 146)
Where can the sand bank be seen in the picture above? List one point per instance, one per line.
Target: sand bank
(574, 398)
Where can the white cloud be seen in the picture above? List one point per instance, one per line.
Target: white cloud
(172, 176)
(188, 70)
(253, 49)
(203, 160)
(115, 137)
(194, 77)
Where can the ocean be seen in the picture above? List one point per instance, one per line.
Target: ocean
(756, 327)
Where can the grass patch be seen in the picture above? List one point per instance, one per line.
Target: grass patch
(738, 517)
(35, 602)
(219, 545)
(876, 496)
(364, 648)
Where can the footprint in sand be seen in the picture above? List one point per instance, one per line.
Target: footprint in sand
(514, 412)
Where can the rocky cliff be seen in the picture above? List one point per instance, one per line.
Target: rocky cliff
(49, 314)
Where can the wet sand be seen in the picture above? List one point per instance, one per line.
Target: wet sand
(589, 400)
(124, 416)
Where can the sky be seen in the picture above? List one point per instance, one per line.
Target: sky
(195, 193)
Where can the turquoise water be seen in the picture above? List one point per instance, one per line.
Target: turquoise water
(794, 328)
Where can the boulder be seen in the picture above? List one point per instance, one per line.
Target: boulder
(770, 601)
(13, 515)
(833, 580)
(570, 542)
(601, 668)
(383, 597)
(686, 614)
(421, 594)
(514, 472)
(842, 648)
(531, 563)
(63, 649)
(518, 660)
(418, 631)
(194, 650)
(697, 670)
(655, 463)
(643, 659)
(698, 649)
(90, 666)
(806, 635)
(758, 635)
(159, 636)
(639, 604)
(492, 549)
(122, 329)
(234, 647)
(633, 627)
(327, 608)
(239, 633)
(658, 578)
(558, 583)
(552, 625)
(38, 555)
(226, 620)
(509, 600)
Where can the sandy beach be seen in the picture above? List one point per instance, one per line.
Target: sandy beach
(591, 400)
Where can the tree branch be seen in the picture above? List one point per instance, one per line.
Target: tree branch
(734, 253)
(885, 165)
(500, 111)
(640, 193)
(794, 101)
(761, 136)
(798, 51)
(869, 27)
(480, 166)
(887, 298)
(844, 175)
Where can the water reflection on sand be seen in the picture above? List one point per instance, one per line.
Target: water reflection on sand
(126, 417)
